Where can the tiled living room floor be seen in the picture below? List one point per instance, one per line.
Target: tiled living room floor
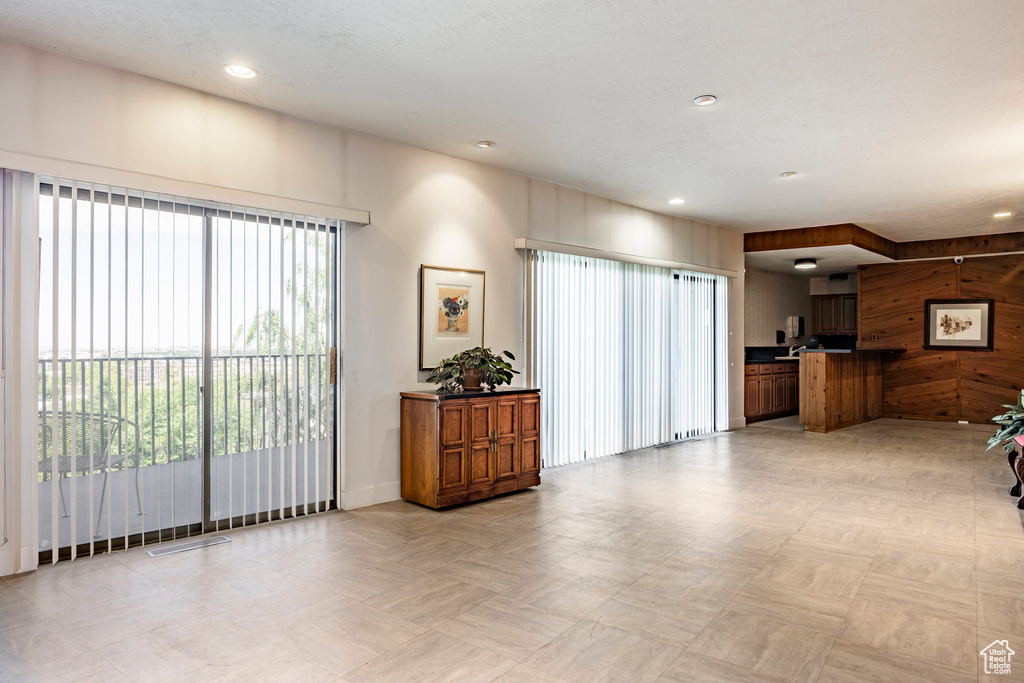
(885, 552)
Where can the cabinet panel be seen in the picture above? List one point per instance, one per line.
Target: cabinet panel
(530, 456)
(505, 417)
(848, 314)
(481, 420)
(779, 392)
(453, 470)
(750, 399)
(506, 460)
(530, 409)
(765, 395)
(481, 470)
(792, 392)
(453, 424)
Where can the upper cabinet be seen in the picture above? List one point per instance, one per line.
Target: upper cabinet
(834, 314)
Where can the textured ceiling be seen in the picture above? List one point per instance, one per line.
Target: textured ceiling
(903, 117)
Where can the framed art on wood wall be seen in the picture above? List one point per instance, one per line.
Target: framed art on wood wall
(451, 312)
(959, 324)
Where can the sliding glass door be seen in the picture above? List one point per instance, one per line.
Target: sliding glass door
(185, 375)
(627, 356)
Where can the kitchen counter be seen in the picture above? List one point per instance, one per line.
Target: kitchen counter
(840, 387)
(851, 350)
(780, 359)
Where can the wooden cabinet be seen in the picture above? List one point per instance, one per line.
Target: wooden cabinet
(462, 447)
(834, 314)
(771, 390)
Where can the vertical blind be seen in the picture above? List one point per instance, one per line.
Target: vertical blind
(627, 356)
(184, 373)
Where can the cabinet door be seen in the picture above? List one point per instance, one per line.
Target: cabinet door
(506, 424)
(452, 470)
(529, 426)
(792, 391)
(765, 395)
(481, 458)
(829, 315)
(848, 314)
(779, 392)
(751, 408)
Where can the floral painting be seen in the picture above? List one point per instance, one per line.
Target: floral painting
(453, 312)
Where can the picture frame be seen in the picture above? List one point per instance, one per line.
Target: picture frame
(959, 324)
(451, 312)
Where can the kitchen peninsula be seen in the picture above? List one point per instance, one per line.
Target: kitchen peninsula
(840, 387)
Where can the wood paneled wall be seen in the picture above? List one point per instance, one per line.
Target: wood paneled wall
(944, 385)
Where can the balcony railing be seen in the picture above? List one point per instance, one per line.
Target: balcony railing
(130, 430)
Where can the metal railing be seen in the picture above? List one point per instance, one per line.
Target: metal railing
(258, 401)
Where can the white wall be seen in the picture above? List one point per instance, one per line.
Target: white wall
(60, 115)
(770, 299)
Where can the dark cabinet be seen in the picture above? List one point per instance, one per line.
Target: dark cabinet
(770, 390)
(834, 314)
(462, 447)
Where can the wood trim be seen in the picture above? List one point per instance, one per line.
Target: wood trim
(960, 246)
(850, 234)
(819, 236)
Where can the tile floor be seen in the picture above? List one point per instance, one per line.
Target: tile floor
(885, 552)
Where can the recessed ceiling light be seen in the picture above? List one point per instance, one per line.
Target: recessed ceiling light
(704, 100)
(787, 174)
(486, 143)
(240, 70)
(1002, 214)
(677, 200)
(804, 263)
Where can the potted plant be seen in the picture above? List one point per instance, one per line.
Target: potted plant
(1011, 425)
(471, 369)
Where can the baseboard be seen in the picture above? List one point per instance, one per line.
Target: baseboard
(371, 495)
(737, 423)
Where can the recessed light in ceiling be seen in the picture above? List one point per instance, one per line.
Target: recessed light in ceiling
(486, 144)
(240, 70)
(704, 100)
(787, 174)
(804, 263)
(1002, 214)
(676, 200)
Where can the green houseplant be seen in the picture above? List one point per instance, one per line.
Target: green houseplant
(1011, 425)
(472, 368)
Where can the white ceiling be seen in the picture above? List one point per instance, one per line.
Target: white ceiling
(903, 117)
(838, 259)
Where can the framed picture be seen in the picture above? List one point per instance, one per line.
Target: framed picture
(451, 312)
(964, 324)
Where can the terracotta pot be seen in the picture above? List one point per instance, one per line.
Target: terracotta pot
(471, 379)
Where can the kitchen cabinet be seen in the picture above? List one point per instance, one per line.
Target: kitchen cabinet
(834, 314)
(770, 390)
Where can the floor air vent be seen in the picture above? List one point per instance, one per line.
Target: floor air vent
(191, 545)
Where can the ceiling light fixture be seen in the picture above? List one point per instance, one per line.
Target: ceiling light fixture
(486, 144)
(1002, 214)
(677, 200)
(240, 70)
(704, 100)
(787, 174)
(804, 263)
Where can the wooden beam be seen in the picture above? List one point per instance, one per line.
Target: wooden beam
(819, 236)
(851, 234)
(961, 246)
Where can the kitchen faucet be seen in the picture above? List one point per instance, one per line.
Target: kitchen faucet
(793, 349)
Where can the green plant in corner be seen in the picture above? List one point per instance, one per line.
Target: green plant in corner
(471, 368)
(1011, 425)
